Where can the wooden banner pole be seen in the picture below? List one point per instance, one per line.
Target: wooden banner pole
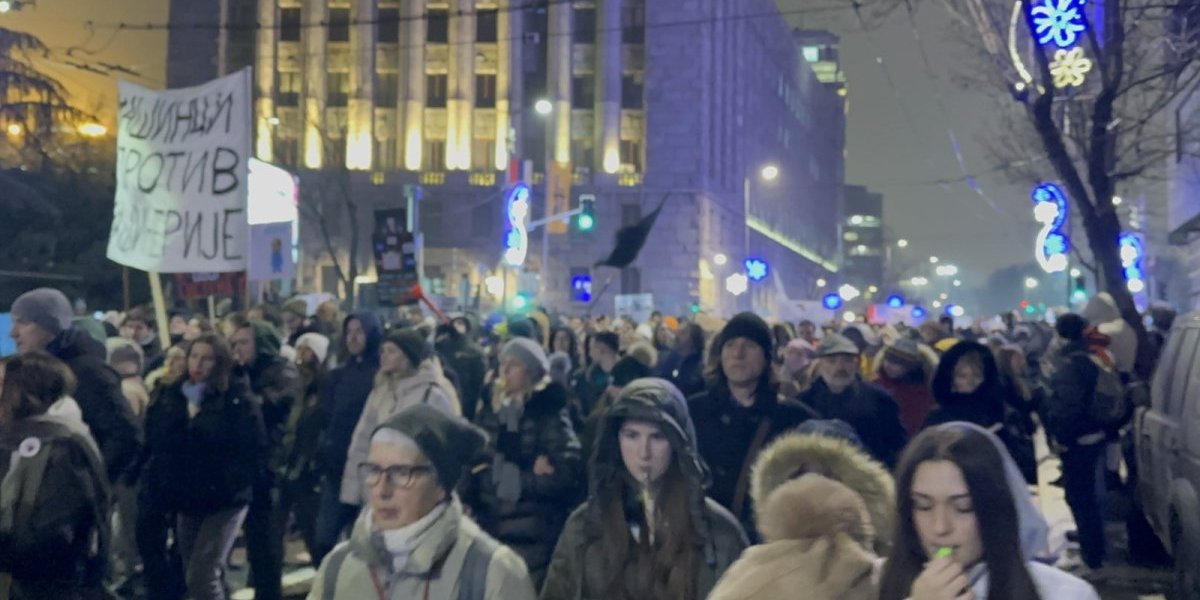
(160, 309)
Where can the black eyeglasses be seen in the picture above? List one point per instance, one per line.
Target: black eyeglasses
(397, 475)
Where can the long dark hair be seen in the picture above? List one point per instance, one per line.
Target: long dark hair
(574, 354)
(218, 380)
(32, 383)
(636, 568)
(992, 500)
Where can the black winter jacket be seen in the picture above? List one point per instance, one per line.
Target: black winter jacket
(345, 394)
(206, 463)
(686, 372)
(98, 393)
(870, 410)
(983, 407)
(275, 383)
(1072, 389)
(531, 525)
(466, 360)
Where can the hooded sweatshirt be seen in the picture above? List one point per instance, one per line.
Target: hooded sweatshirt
(1102, 312)
(345, 393)
(984, 406)
(718, 538)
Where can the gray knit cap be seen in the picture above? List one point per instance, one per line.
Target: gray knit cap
(530, 354)
(47, 307)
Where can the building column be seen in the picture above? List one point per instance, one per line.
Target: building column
(504, 74)
(608, 85)
(265, 68)
(559, 80)
(413, 65)
(315, 82)
(460, 87)
(360, 127)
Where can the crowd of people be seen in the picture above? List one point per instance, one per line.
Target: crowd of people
(548, 457)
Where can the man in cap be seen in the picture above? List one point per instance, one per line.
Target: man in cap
(42, 323)
(840, 393)
(739, 412)
(413, 540)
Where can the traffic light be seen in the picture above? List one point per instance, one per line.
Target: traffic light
(587, 213)
(1079, 293)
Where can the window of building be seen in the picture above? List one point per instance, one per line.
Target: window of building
(485, 91)
(582, 154)
(631, 154)
(387, 89)
(287, 88)
(387, 26)
(631, 92)
(287, 151)
(289, 24)
(585, 25)
(435, 90)
(483, 155)
(434, 156)
(851, 236)
(583, 92)
(633, 22)
(339, 24)
(437, 23)
(337, 89)
(385, 155)
(812, 53)
(487, 26)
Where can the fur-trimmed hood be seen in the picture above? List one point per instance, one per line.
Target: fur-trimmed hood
(839, 460)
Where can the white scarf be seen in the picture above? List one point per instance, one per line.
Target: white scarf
(401, 542)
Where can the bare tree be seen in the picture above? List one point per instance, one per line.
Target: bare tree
(327, 200)
(1115, 128)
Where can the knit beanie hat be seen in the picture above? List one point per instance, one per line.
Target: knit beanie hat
(834, 344)
(628, 369)
(905, 352)
(746, 325)
(316, 342)
(47, 307)
(449, 442)
(410, 343)
(530, 354)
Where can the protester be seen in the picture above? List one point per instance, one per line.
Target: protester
(535, 471)
(807, 331)
(740, 411)
(125, 357)
(905, 369)
(646, 530)
(590, 383)
(301, 477)
(54, 507)
(563, 339)
(684, 365)
(409, 374)
(795, 373)
(664, 338)
(141, 327)
(840, 393)
(294, 315)
(42, 323)
(413, 540)
(343, 398)
(624, 372)
(464, 357)
(207, 447)
(1102, 312)
(174, 368)
(953, 492)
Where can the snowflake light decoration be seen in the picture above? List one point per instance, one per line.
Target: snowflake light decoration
(756, 269)
(1058, 21)
(1070, 67)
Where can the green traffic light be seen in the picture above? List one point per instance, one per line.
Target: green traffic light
(586, 222)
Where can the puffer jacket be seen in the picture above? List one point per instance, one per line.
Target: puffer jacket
(833, 458)
(345, 394)
(818, 538)
(531, 524)
(576, 572)
(455, 560)
(391, 395)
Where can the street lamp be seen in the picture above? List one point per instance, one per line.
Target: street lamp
(957, 283)
(1076, 272)
(720, 260)
(5, 6)
(947, 270)
(821, 282)
(14, 129)
(1030, 283)
(933, 260)
(92, 130)
(769, 173)
(543, 107)
(902, 243)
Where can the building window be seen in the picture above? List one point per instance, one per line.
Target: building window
(583, 92)
(385, 155)
(387, 89)
(287, 88)
(631, 154)
(289, 25)
(339, 24)
(437, 23)
(812, 53)
(434, 156)
(287, 151)
(633, 22)
(435, 90)
(483, 154)
(387, 26)
(485, 91)
(337, 89)
(631, 92)
(585, 25)
(487, 26)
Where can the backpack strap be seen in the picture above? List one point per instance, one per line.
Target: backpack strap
(333, 564)
(472, 581)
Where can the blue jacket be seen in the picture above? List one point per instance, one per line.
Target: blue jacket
(345, 394)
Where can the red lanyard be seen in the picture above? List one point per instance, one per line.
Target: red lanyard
(379, 589)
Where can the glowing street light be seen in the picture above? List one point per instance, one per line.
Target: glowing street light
(769, 173)
(849, 317)
(92, 130)
(5, 6)
(1030, 283)
(15, 129)
(720, 260)
(947, 270)
(957, 311)
(957, 283)
(543, 107)
(937, 304)
(919, 281)
(848, 292)
(821, 282)
(902, 243)
(1075, 272)
(1117, 200)
(933, 260)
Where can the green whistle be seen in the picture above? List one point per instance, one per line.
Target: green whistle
(944, 552)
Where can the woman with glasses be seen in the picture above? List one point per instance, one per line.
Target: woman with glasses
(413, 541)
(205, 441)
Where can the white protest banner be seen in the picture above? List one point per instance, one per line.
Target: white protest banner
(182, 165)
(639, 307)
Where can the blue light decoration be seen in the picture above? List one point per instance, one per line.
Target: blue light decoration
(516, 238)
(918, 312)
(756, 269)
(1132, 254)
(832, 301)
(1050, 211)
(895, 301)
(1057, 21)
(581, 288)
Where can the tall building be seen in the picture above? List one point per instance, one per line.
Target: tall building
(628, 100)
(862, 238)
(1183, 168)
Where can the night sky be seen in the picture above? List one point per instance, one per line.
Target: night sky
(890, 149)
